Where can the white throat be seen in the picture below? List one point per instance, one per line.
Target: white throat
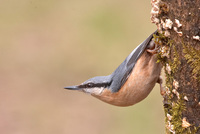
(95, 90)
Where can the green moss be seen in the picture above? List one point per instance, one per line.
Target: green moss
(193, 58)
(176, 61)
(176, 113)
(159, 40)
(164, 7)
(175, 106)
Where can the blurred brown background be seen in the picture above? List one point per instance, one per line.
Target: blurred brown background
(46, 45)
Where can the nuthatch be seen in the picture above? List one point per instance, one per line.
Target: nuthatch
(131, 82)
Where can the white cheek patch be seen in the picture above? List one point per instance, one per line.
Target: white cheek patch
(95, 90)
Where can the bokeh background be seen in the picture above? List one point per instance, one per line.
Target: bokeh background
(46, 45)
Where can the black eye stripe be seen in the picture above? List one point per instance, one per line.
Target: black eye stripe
(92, 85)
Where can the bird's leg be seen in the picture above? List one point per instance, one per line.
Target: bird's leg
(152, 48)
(154, 51)
(162, 90)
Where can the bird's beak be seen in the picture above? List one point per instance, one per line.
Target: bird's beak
(72, 88)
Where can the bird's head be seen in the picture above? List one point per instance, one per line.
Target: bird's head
(93, 86)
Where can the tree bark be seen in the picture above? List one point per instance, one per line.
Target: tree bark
(178, 23)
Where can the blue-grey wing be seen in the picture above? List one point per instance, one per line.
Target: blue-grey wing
(120, 75)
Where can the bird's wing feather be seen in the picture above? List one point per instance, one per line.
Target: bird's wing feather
(121, 74)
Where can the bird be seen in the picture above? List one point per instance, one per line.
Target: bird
(133, 79)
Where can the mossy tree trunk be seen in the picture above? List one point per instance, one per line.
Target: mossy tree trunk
(178, 23)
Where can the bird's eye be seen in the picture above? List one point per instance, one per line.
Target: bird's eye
(89, 85)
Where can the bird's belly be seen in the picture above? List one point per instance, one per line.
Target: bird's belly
(129, 94)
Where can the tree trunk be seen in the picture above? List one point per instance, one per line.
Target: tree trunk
(178, 23)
